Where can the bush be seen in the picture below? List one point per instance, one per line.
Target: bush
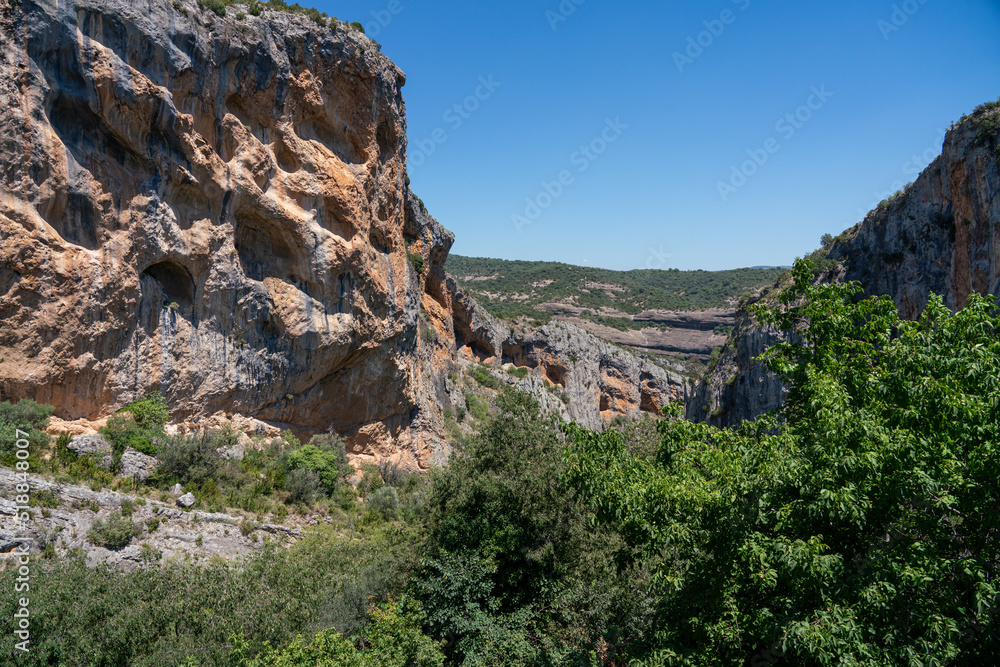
(255, 8)
(28, 417)
(303, 485)
(113, 534)
(151, 413)
(483, 376)
(137, 425)
(394, 639)
(360, 28)
(216, 6)
(384, 502)
(477, 407)
(416, 259)
(519, 372)
(192, 458)
(325, 456)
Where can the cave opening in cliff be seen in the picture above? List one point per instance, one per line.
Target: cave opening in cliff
(175, 281)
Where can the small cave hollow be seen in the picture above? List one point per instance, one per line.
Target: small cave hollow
(263, 248)
(175, 281)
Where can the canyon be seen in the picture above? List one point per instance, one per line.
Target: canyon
(217, 207)
(940, 235)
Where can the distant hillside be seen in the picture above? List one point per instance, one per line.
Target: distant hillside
(514, 289)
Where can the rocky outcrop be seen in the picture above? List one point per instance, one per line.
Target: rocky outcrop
(162, 531)
(213, 207)
(940, 235)
(593, 379)
(218, 208)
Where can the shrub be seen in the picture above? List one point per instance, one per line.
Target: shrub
(392, 474)
(303, 485)
(483, 376)
(325, 456)
(477, 407)
(127, 507)
(393, 639)
(193, 458)
(519, 372)
(138, 425)
(384, 502)
(114, 534)
(219, 8)
(416, 260)
(26, 416)
(255, 8)
(360, 28)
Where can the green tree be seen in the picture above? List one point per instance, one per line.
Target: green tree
(515, 574)
(856, 526)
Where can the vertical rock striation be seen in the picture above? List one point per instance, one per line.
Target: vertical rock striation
(217, 207)
(940, 235)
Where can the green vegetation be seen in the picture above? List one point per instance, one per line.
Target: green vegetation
(115, 533)
(218, 7)
(393, 639)
(502, 285)
(28, 417)
(854, 527)
(416, 260)
(482, 374)
(858, 525)
(138, 425)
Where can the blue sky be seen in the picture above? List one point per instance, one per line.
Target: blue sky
(592, 142)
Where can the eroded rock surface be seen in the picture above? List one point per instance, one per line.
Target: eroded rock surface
(218, 208)
(940, 235)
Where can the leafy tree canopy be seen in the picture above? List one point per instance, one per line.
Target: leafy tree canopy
(856, 526)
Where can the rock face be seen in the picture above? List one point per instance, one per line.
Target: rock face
(940, 235)
(219, 208)
(595, 380)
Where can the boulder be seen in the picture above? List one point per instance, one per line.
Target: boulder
(137, 465)
(187, 500)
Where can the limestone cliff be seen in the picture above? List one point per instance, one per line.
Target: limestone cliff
(218, 207)
(940, 235)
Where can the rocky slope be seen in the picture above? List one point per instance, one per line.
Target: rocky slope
(163, 530)
(218, 208)
(940, 235)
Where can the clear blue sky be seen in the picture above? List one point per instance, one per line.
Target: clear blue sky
(652, 197)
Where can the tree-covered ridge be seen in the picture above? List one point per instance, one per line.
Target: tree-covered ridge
(516, 288)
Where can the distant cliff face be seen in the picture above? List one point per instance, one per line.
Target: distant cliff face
(217, 208)
(941, 235)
